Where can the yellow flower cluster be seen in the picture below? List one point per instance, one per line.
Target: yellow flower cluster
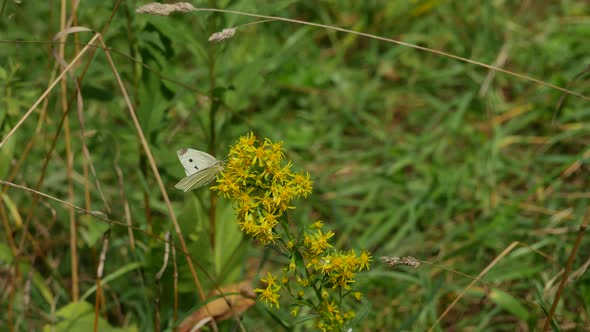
(256, 176)
(270, 294)
(318, 276)
(332, 317)
(339, 268)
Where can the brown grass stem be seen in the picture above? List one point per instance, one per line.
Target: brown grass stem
(568, 269)
(158, 278)
(99, 273)
(75, 291)
(174, 286)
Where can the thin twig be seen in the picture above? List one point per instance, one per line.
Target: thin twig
(27, 296)
(175, 285)
(124, 201)
(157, 278)
(99, 274)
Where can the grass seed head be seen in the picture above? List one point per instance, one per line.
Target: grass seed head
(162, 9)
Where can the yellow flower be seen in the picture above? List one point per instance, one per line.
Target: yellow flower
(303, 282)
(318, 224)
(364, 260)
(318, 242)
(247, 140)
(357, 295)
(302, 184)
(269, 295)
(270, 280)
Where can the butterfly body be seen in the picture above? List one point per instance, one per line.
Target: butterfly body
(200, 168)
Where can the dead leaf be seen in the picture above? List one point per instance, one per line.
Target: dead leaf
(240, 297)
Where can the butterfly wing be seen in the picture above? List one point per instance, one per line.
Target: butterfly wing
(194, 160)
(199, 178)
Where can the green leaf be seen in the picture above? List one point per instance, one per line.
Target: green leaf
(5, 254)
(40, 283)
(228, 239)
(510, 304)
(91, 230)
(79, 316)
(119, 273)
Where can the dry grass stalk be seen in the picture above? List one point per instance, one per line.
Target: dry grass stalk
(174, 283)
(99, 273)
(222, 35)
(158, 278)
(405, 261)
(166, 255)
(479, 276)
(162, 9)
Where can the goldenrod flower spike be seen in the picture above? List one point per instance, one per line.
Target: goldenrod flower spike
(263, 186)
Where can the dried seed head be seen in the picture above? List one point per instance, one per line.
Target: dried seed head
(406, 261)
(223, 34)
(162, 9)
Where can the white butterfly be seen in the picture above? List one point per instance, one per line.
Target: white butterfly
(200, 167)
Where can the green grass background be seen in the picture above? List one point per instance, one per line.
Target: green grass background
(408, 153)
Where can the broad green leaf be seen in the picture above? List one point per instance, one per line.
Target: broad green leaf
(228, 238)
